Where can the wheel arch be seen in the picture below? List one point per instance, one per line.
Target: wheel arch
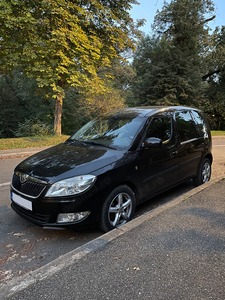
(209, 156)
(130, 184)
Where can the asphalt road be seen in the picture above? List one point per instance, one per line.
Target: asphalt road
(25, 247)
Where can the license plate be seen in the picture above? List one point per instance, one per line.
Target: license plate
(21, 201)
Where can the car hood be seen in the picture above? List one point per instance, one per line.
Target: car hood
(66, 160)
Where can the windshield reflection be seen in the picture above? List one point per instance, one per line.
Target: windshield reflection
(110, 131)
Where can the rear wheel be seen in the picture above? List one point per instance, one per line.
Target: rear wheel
(118, 208)
(204, 172)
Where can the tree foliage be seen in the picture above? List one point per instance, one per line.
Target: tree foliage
(117, 80)
(22, 103)
(64, 43)
(169, 64)
(215, 79)
(21, 99)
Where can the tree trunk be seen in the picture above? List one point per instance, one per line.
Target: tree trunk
(58, 115)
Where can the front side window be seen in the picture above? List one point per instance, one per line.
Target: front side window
(160, 127)
(185, 126)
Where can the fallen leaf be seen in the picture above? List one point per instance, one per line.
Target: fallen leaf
(9, 245)
(42, 239)
(18, 234)
(26, 241)
(30, 259)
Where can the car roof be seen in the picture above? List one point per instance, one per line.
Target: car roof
(146, 111)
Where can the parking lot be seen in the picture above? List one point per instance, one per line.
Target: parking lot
(25, 247)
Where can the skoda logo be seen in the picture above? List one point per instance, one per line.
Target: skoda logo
(23, 178)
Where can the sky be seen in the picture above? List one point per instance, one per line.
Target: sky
(147, 9)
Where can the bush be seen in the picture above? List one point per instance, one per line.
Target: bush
(34, 127)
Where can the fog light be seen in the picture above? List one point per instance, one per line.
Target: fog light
(72, 217)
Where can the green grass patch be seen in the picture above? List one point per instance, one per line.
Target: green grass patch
(40, 141)
(217, 132)
(33, 141)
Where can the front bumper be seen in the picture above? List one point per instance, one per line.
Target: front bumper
(44, 211)
(48, 220)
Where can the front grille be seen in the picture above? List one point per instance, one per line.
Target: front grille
(30, 215)
(29, 188)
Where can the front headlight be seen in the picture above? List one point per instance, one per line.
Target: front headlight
(71, 186)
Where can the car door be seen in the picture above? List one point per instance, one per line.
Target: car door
(158, 167)
(190, 146)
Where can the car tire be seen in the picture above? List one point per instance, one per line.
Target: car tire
(118, 208)
(204, 172)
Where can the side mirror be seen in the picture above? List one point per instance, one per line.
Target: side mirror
(152, 143)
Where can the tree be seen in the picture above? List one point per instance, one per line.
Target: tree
(169, 64)
(215, 56)
(20, 100)
(63, 43)
(117, 80)
(214, 77)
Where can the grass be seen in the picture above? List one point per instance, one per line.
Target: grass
(217, 133)
(39, 141)
(29, 142)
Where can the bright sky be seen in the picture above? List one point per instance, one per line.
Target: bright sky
(147, 9)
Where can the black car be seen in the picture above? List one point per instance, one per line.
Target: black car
(112, 164)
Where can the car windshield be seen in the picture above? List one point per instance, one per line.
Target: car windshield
(111, 131)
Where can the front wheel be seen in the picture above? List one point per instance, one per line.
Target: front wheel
(118, 208)
(204, 172)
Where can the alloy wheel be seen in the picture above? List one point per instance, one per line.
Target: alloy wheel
(206, 172)
(120, 209)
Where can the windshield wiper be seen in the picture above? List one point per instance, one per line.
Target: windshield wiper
(75, 141)
(99, 144)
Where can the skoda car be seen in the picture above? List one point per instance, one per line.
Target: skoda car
(112, 164)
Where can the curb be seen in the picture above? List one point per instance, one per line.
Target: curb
(18, 284)
(215, 137)
(11, 153)
(7, 155)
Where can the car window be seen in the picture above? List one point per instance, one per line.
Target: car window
(160, 127)
(185, 126)
(200, 123)
(110, 131)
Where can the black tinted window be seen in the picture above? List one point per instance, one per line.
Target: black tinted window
(185, 126)
(200, 123)
(160, 128)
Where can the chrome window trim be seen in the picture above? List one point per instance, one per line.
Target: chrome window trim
(189, 141)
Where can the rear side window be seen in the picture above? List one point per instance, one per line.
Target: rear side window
(160, 127)
(200, 123)
(185, 126)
